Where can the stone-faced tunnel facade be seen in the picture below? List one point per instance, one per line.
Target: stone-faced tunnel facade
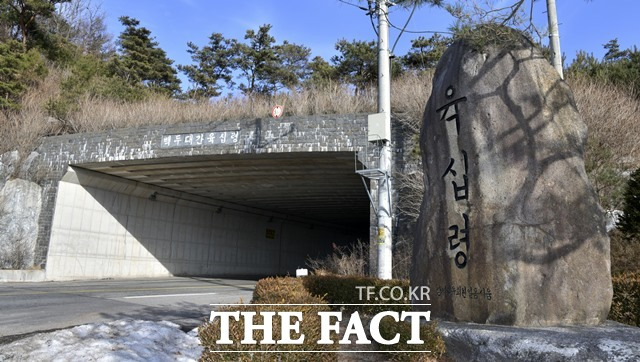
(297, 169)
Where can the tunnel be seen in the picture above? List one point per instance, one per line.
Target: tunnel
(223, 215)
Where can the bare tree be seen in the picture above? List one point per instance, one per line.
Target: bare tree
(82, 23)
(344, 260)
(410, 187)
(515, 14)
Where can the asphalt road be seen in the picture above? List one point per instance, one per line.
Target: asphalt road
(31, 307)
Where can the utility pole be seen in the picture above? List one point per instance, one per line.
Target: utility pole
(554, 37)
(385, 223)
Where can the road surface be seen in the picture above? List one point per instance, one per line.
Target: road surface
(31, 307)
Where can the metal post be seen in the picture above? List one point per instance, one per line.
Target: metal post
(385, 258)
(554, 37)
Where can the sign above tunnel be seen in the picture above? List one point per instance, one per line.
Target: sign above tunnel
(277, 111)
(200, 139)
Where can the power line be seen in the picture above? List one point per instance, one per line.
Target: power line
(417, 31)
(370, 13)
(354, 5)
(403, 28)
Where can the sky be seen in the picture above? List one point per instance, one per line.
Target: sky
(319, 24)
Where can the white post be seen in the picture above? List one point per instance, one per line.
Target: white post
(385, 224)
(554, 37)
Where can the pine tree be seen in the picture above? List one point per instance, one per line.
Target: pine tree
(24, 16)
(213, 64)
(425, 53)
(27, 21)
(614, 53)
(357, 63)
(269, 67)
(321, 73)
(291, 66)
(19, 69)
(620, 67)
(141, 60)
(256, 60)
(630, 222)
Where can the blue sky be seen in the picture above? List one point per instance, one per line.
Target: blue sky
(318, 24)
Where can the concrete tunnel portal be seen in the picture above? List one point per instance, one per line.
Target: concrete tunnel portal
(229, 214)
(319, 187)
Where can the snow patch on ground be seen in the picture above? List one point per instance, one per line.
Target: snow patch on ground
(123, 340)
(620, 350)
(610, 341)
(540, 346)
(612, 218)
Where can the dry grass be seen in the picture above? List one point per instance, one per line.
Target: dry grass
(402, 254)
(625, 253)
(409, 95)
(344, 260)
(613, 147)
(97, 114)
(24, 127)
(625, 306)
(611, 114)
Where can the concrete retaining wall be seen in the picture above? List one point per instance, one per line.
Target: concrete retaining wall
(22, 275)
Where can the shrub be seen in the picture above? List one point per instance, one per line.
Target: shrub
(611, 117)
(311, 291)
(344, 260)
(283, 290)
(403, 252)
(625, 307)
(270, 291)
(310, 327)
(19, 70)
(342, 290)
(428, 333)
(625, 253)
(630, 220)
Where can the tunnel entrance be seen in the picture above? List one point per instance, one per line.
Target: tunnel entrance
(215, 215)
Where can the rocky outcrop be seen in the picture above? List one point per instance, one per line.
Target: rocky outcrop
(510, 230)
(20, 204)
(9, 163)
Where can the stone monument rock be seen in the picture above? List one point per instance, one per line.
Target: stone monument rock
(510, 230)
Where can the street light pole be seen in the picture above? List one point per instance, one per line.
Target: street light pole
(554, 37)
(385, 224)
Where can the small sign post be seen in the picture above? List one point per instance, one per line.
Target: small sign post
(277, 111)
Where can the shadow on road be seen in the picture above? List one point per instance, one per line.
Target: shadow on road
(187, 315)
(221, 282)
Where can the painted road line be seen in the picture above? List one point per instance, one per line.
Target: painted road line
(120, 290)
(166, 295)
